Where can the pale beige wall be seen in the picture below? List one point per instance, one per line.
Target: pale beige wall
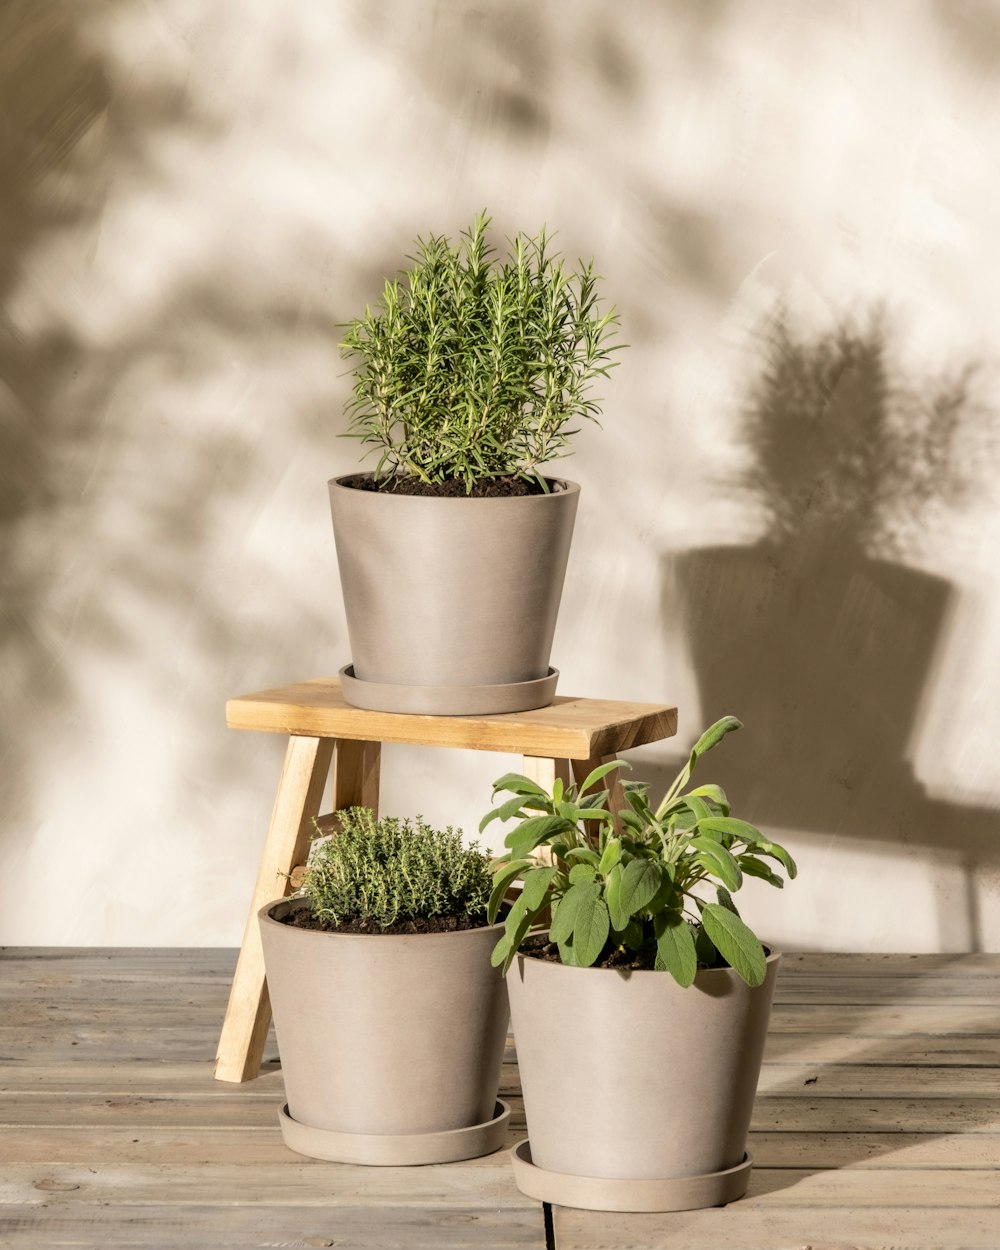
(793, 205)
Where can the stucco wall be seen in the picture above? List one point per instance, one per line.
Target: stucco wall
(790, 513)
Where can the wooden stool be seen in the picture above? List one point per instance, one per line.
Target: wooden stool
(570, 736)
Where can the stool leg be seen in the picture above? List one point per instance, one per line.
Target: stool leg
(544, 771)
(300, 793)
(356, 767)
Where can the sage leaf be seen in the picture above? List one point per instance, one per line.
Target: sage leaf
(517, 783)
(726, 900)
(754, 868)
(600, 772)
(590, 929)
(640, 882)
(536, 886)
(533, 832)
(612, 854)
(675, 947)
(715, 794)
(718, 861)
(506, 873)
(564, 919)
(729, 826)
(613, 898)
(583, 853)
(735, 942)
(713, 735)
(781, 855)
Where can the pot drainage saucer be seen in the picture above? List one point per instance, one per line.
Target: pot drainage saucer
(596, 1193)
(396, 1150)
(381, 696)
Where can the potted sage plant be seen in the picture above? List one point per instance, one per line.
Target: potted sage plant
(647, 977)
(470, 376)
(390, 1019)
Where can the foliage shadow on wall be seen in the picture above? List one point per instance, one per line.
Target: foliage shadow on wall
(817, 635)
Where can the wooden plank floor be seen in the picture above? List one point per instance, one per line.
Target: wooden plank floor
(877, 1123)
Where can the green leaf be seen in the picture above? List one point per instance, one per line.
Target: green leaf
(714, 794)
(502, 878)
(633, 935)
(565, 915)
(632, 821)
(735, 942)
(698, 808)
(582, 873)
(781, 855)
(730, 827)
(592, 813)
(717, 860)
(675, 946)
(516, 927)
(502, 949)
(704, 948)
(713, 735)
(533, 832)
(536, 886)
(752, 867)
(584, 853)
(638, 801)
(613, 898)
(517, 783)
(504, 812)
(726, 900)
(612, 854)
(593, 802)
(640, 882)
(590, 928)
(600, 772)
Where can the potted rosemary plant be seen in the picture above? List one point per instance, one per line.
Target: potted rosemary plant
(470, 376)
(390, 1018)
(648, 972)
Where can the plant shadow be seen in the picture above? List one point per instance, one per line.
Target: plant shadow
(822, 639)
(818, 635)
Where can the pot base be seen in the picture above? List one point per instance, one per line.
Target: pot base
(595, 1193)
(517, 696)
(392, 1150)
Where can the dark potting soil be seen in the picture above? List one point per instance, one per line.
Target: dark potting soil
(539, 947)
(484, 488)
(302, 918)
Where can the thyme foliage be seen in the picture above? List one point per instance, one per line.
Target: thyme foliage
(382, 871)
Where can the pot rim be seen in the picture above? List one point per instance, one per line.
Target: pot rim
(264, 917)
(564, 486)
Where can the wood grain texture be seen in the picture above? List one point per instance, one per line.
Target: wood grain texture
(298, 800)
(877, 1126)
(571, 728)
(355, 775)
(831, 1225)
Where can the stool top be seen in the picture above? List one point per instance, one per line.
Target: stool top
(570, 728)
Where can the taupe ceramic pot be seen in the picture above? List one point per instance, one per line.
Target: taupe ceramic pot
(384, 1036)
(630, 1078)
(451, 604)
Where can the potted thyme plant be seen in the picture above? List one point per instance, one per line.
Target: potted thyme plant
(470, 376)
(390, 1018)
(647, 975)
